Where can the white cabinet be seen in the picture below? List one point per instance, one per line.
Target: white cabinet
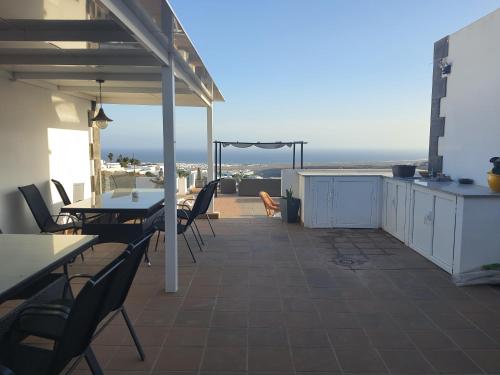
(395, 210)
(322, 202)
(355, 202)
(340, 202)
(433, 221)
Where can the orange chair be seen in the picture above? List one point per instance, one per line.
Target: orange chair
(271, 206)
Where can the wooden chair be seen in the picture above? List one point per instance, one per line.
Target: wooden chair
(271, 206)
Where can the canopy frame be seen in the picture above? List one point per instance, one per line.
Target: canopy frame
(219, 145)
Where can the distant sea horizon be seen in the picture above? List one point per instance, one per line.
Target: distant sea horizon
(280, 156)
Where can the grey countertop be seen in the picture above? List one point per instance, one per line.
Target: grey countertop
(449, 187)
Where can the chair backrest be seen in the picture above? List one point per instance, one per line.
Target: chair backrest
(123, 181)
(85, 316)
(199, 203)
(205, 204)
(125, 274)
(37, 205)
(62, 192)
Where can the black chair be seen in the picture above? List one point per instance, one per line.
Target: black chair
(71, 328)
(113, 305)
(120, 287)
(182, 216)
(205, 204)
(43, 217)
(62, 192)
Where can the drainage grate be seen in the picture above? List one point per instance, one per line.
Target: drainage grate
(343, 260)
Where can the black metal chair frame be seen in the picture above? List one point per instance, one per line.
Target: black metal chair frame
(41, 213)
(77, 325)
(207, 198)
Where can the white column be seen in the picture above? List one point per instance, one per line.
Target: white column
(170, 173)
(210, 150)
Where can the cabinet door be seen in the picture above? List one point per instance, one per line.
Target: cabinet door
(390, 207)
(422, 217)
(444, 231)
(401, 196)
(355, 203)
(322, 191)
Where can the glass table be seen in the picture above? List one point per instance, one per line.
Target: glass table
(27, 258)
(120, 215)
(137, 202)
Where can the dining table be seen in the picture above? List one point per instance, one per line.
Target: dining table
(119, 215)
(26, 259)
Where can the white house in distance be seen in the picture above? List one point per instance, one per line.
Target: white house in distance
(51, 54)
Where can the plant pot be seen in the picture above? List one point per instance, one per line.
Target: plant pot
(494, 182)
(289, 209)
(182, 186)
(198, 183)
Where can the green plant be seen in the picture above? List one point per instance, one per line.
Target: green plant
(496, 165)
(149, 174)
(110, 157)
(289, 193)
(183, 173)
(198, 174)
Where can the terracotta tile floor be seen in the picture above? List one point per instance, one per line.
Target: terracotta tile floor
(273, 298)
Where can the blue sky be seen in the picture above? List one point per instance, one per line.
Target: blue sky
(351, 74)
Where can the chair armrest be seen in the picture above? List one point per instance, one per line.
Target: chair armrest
(63, 214)
(185, 207)
(43, 320)
(67, 284)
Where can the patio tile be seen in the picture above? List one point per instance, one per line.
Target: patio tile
(308, 338)
(127, 358)
(349, 338)
(429, 340)
(360, 361)
(451, 362)
(406, 362)
(198, 303)
(488, 360)
(230, 319)
(265, 319)
(193, 319)
(227, 337)
(269, 336)
(471, 339)
(265, 304)
(269, 359)
(314, 359)
(225, 359)
(179, 359)
(185, 336)
(389, 339)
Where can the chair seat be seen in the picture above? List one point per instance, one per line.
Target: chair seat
(39, 360)
(54, 227)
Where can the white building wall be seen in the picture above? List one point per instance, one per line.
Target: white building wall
(472, 102)
(44, 135)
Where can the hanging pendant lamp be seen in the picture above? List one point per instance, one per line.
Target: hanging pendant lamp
(101, 120)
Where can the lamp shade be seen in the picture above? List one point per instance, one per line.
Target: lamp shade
(101, 120)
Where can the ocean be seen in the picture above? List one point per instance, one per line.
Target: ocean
(278, 156)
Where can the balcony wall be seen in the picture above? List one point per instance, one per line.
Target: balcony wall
(44, 135)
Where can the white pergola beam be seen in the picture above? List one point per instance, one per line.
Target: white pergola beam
(145, 77)
(46, 56)
(98, 31)
(120, 89)
(131, 14)
(210, 154)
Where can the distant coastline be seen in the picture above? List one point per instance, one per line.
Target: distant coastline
(282, 157)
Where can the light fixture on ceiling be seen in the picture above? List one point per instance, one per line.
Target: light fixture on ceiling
(101, 120)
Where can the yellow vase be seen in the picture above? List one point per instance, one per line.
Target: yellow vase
(494, 182)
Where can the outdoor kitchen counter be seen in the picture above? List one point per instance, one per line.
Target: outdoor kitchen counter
(449, 187)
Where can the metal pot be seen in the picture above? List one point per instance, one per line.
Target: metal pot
(403, 171)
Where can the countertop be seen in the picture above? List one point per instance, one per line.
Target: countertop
(449, 187)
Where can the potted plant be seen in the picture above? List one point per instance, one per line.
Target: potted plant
(289, 207)
(494, 175)
(198, 182)
(182, 185)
